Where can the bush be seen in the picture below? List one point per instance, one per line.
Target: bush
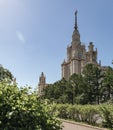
(90, 114)
(21, 110)
(107, 116)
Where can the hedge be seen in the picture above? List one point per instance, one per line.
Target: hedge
(97, 115)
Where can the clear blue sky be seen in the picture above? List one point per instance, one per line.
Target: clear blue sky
(34, 35)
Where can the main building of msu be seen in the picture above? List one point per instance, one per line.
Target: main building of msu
(77, 58)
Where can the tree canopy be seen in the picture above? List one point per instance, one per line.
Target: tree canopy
(93, 86)
(5, 75)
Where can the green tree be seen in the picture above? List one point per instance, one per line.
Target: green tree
(93, 77)
(57, 92)
(20, 109)
(108, 84)
(61, 88)
(5, 75)
(48, 92)
(76, 85)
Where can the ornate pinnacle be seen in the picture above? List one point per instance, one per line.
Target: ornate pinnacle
(76, 20)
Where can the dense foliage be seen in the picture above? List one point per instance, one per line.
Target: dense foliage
(98, 115)
(94, 86)
(21, 109)
(5, 75)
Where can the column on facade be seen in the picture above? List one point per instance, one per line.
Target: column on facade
(82, 64)
(71, 67)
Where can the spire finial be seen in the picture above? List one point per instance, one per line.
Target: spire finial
(76, 20)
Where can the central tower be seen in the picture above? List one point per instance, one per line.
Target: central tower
(77, 56)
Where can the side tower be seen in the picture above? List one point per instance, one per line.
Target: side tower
(42, 83)
(91, 55)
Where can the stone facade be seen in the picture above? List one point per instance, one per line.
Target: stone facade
(77, 55)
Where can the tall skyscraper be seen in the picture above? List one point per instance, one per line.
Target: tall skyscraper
(77, 56)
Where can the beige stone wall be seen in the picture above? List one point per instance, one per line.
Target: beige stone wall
(77, 58)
